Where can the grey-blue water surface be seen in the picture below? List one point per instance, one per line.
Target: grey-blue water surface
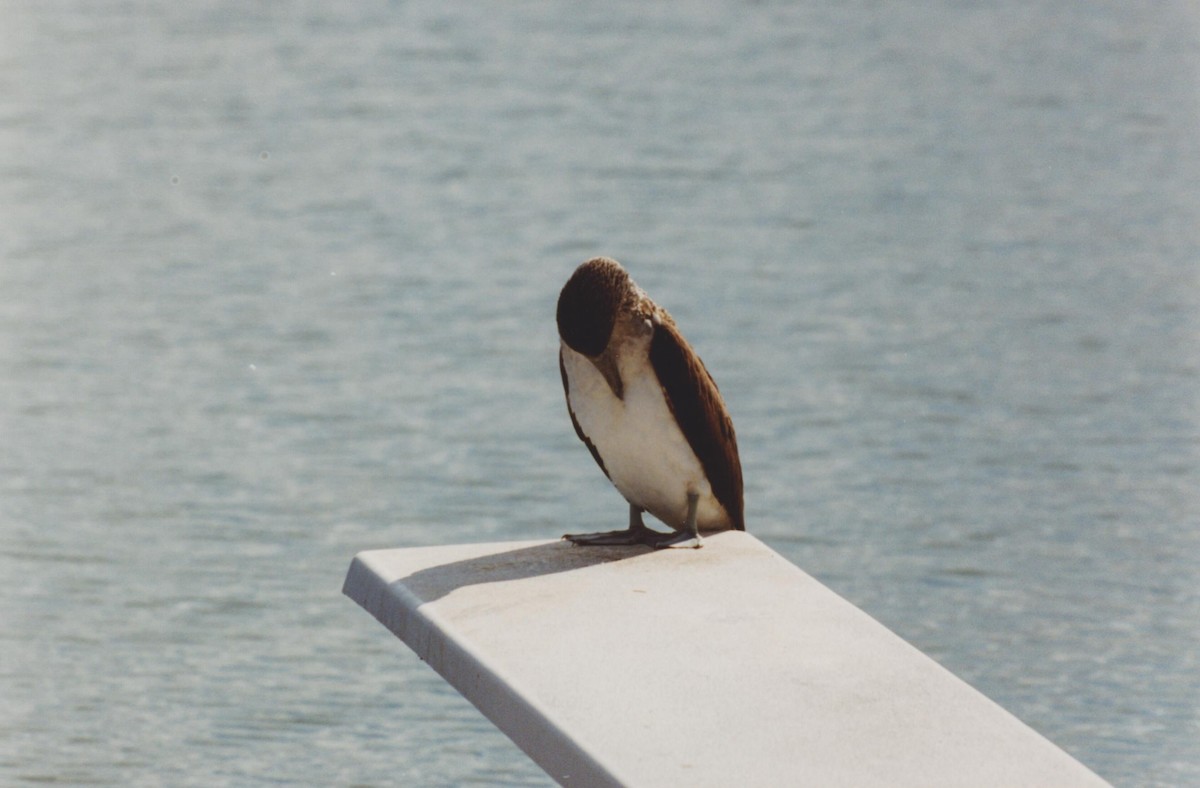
(277, 285)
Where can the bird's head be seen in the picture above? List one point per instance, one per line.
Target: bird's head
(590, 302)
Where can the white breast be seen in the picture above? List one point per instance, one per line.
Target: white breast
(646, 455)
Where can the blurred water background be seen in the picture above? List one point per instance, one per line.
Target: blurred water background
(277, 284)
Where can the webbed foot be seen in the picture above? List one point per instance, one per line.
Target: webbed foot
(689, 535)
(638, 534)
(628, 536)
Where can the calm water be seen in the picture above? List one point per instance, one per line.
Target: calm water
(277, 285)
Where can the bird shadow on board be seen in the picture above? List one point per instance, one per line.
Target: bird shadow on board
(542, 558)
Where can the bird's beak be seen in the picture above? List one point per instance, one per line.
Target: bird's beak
(606, 362)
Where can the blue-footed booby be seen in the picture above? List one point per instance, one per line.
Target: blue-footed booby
(644, 404)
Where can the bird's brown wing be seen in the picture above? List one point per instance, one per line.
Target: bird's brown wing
(700, 411)
(562, 370)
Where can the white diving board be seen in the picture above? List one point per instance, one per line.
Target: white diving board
(724, 666)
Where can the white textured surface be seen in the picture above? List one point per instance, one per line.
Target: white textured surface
(722, 666)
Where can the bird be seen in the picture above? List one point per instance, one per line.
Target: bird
(647, 409)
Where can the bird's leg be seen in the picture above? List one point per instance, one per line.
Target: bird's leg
(636, 533)
(689, 535)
